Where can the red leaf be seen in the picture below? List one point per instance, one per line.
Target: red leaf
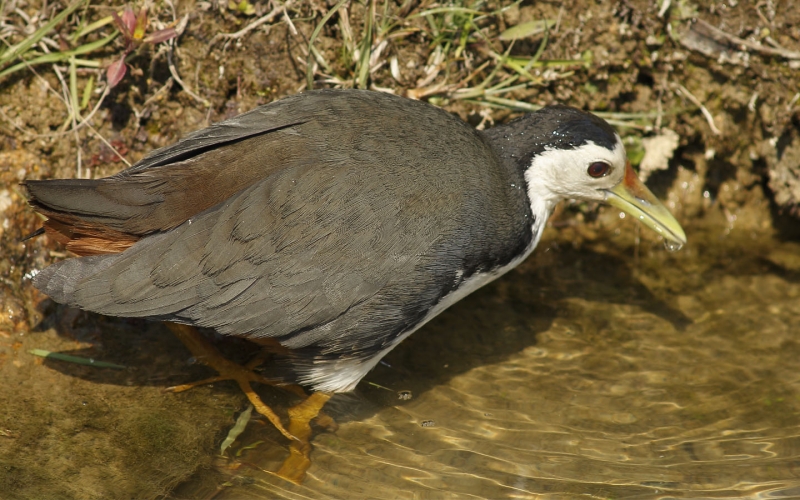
(160, 36)
(129, 18)
(116, 72)
(124, 23)
(120, 25)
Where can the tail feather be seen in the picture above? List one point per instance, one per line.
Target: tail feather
(76, 218)
(60, 281)
(91, 216)
(95, 201)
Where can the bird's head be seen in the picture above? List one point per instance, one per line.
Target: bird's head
(570, 154)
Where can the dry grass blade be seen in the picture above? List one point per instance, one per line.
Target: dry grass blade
(313, 38)
(705, 29)
(279, 9)
(706, 113)
(21, 48)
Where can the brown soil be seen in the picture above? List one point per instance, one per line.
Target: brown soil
(70, 431)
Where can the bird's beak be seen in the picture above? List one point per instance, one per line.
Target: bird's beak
(633, 197)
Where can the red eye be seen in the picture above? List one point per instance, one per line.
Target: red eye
(598, 169)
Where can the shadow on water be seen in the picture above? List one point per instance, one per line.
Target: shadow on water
(151, 355)
(504, 318)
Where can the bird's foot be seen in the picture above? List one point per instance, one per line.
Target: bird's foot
(300, 416)
(206, 353)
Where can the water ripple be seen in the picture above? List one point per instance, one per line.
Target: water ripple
(682, 382)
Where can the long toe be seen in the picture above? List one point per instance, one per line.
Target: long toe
(207, 354)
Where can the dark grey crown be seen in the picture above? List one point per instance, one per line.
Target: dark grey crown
(552, 127)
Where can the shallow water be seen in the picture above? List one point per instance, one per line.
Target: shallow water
(608, 371)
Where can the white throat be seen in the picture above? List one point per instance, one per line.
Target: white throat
(552, 176)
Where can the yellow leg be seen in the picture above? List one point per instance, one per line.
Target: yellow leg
(206, 353)
(300, 416)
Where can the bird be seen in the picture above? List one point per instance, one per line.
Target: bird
(329, 225)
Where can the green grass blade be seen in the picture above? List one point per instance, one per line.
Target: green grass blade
(87, 92)
(527, 29)
(55, 57)
(442, 10)
(237, 429)
(73, 88)
(366, 47)
(75, 359)
(90, 28)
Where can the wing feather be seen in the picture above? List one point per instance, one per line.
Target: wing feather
(351, 230)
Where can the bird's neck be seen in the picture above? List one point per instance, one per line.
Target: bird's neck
(517, 162)
(541, 197)
(542, 203)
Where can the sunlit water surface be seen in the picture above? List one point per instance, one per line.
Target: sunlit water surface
(604, 372)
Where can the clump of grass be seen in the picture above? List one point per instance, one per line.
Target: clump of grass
(466, 57)
(79, 52)
(33, 50)
(36, 50)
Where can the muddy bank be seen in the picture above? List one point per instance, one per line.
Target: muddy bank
(722, 81)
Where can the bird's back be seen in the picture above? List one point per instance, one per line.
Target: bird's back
(339, 211)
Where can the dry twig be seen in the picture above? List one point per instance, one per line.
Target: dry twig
(279, 9)
(706, 113)
(706, 30)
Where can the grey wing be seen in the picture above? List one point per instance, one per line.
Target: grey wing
(335, 242)
(199, 171)
(283, 258)
(285, 113)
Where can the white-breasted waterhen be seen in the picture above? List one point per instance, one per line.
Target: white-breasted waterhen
(332, 223)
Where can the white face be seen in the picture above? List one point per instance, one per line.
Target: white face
(559, 174)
